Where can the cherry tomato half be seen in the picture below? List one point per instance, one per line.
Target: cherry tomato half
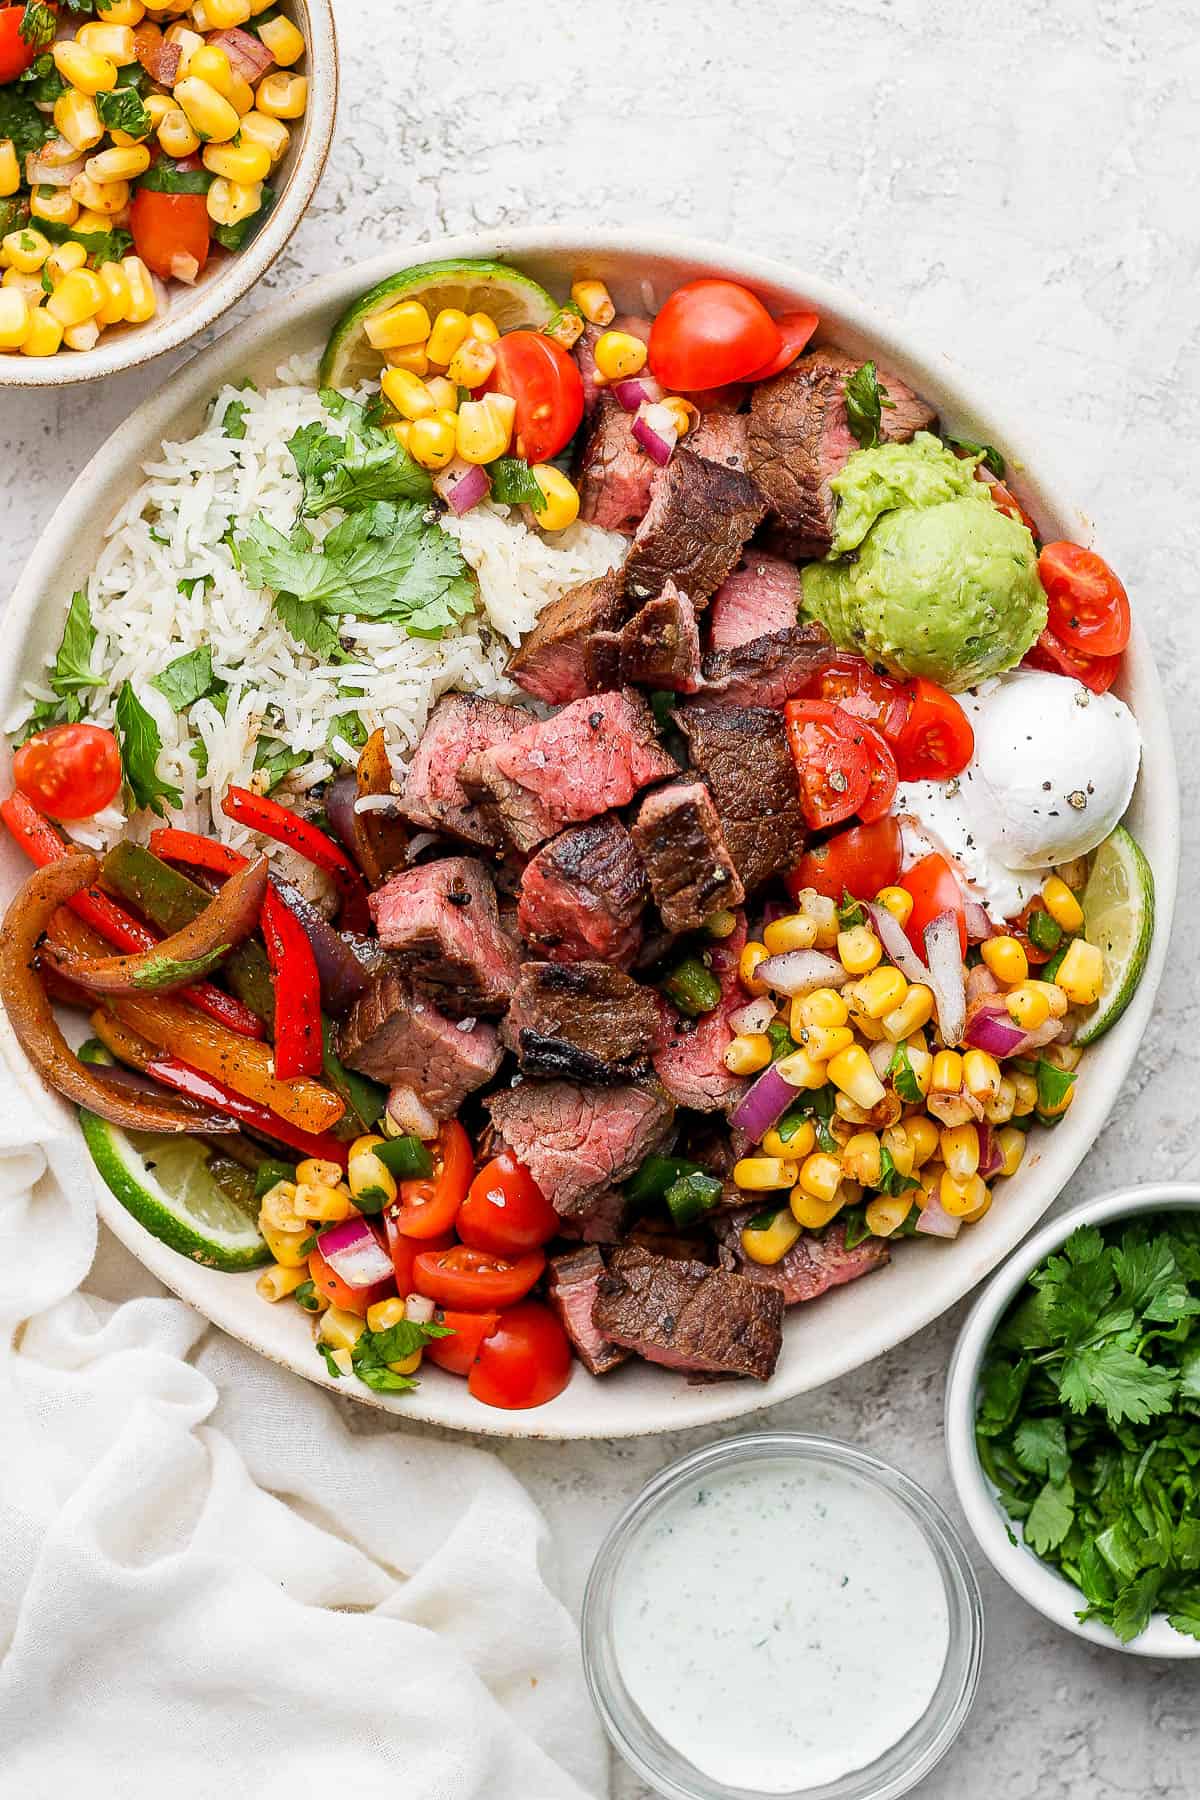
(524, 1362)
(795, 329)
(169, 227)
(475, 1280)
(456, 1354)
(1005, 501)
(339, 1293)
(1089, 608)
(711, 332)
(15, 53)
(505, 1210)
(545, 382)
(425, 1209)
(1096, 672)
(859, 861)
(936, 740)
(844, 765)
(69, 771)
(935, 889)
(404, 1250)
(851, 683)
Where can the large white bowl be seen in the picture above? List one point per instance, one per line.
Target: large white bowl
(856, 1323)
(188, 310)
(1033, 1579)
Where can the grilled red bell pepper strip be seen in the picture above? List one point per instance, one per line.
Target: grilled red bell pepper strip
(200, 852)
(275, 821)
(180, 1076)
(299, 1046)
(40, 842)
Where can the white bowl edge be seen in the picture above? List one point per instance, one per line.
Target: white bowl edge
(1050, 1593)
(849, 1328)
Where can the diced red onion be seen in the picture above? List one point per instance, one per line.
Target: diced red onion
(991, 1158)
(410, 1112)
(934, 1221)
(990, 1028)
(656, 431)
(49, 174)
(419, 1308)
(248, 55)
(355, 1254)
(184, 268)
(979, 926)
(795, 972)
(763, 1105)
(1051, 1031)
(891, 935)
(944, 956)
(462, 485)
(637, 390)
(343, 978)
(754, 1017)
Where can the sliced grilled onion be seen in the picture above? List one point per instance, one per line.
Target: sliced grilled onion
(944, 956)
(795, 972)
(990, 1028)
(339, 808)
(763, 1105)
(979, 926)
(343, 978)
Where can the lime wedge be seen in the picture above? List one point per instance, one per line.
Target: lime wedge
(1118, 917)
(509, 298)
(166, 1183)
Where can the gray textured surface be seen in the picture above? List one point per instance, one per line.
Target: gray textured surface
(1017, 180)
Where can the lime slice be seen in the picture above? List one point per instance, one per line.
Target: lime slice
(1118, 917)
(509, 298)
(165, 1182)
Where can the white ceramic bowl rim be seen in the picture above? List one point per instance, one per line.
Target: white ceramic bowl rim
(1033, 1579)
(855, 1323)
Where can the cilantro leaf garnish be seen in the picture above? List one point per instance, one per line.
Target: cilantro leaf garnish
(366, 465)
(988, 454)
(122, 110)
(189, 677)
(70, 675)
(375, 1350)
(140, 743)
(866, 398)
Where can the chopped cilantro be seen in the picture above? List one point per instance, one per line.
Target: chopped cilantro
(140, 744)
(190, 677)
(988, 455)
(375, 1350)
(903, 1077)
(865, 399)
(122, 110)
(352, 471)
(71, 672)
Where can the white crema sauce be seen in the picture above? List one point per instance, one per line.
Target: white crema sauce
(781, 1625)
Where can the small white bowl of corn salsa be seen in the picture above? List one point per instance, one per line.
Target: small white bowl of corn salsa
(155, 156)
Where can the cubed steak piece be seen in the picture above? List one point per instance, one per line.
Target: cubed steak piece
(721, 437)
(572, 1280)
(552, 661)
(579, 1142)
(678, 836)
(593, 755)
(459, 726)
(602, 1221)
(691, 1065)
(700, 516)
(442, 922)
(762, 596)
(767, 671)
(612, 471)
(583, 895)
(582, 1021)
(659, 647)
(743, 754)
(800, 438)
(400, 1037)
(688, 1316)
(814, 1264)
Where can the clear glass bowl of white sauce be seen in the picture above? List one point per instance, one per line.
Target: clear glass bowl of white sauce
(782, 1615)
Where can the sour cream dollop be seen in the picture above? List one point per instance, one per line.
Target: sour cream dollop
(1053, 771)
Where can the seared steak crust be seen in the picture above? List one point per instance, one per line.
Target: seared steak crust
(678, 834)
(659, 647)
(700, 515)
(583, 1021)
(552, 661)
(459, 726)
(583, 895)
(689, 1316)
(442, 921)
(743, 754)
(400, 1038)
(571, 1290)
(767, 671)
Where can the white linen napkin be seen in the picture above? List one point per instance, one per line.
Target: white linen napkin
(210, 1587)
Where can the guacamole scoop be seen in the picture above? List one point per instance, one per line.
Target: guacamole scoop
(926, 575)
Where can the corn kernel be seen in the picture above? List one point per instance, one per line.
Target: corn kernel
(187, 42)
(878, 993)
(594, 302)
(959, 1145)
(862, 1158)
(1081, 973)
(683, 414)
(981, 1075)
(412, 357)
(748, 1053)
(471, 363)
(431, 442)
(1024, 1095)
(859, 949)
(105, 197)
(896, 900)
(26, 250)
(851, 1071)
(1011, 1145)
(340, 1328)
(121, 12)
(282, 39)
(790, 1149)
(277, 1282)
(370, 1179)
(978, 1212)
(209, 113)
(800, 1070)
(15, 319)
(959, 1198)
(83, 69)
(824, 1006)
(407, 1365)
(770, 1243)
(483, 434)
(922, 1134)
(104, 38)
(795, 932)
(1062, 1056)
(384, 1314)
(560, 495)
(760, 1174)
(229, 202)
(282, 96)
(57, 205)
(76, 119)
(55, 155)
(278, 1207)
(407, 393)
(1006, 958)
(449, 330)
(243, 163)
(402, 431)
(443, 393)
(272, 134)
(29, 285)
(814, 1213)
(1059, 1107)
(10, 169)
(921, 1064)
(887, 1213)
(823, 1041)
(483, 327)
(143, 301)
(913, 1013)
(821, 908)
(118, 165)
(175, 133)
(752, 954)
(820, 1176)
(92, 221)
(899, 1146)
(1027, 1005)
(286, 1246)
(947, 1075)
(1062, 905)
(223, 15)
(398, 326)
(325, 1203)
(1000, 1108)
(115, 304)
(618, 354)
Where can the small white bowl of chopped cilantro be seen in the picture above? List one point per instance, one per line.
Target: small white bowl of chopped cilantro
(1073, 1421)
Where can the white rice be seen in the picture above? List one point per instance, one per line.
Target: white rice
(193, 494)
